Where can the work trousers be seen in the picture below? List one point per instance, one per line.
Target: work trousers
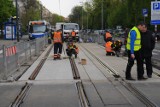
(57, 48)
(70, 52)
(138, 58)
(148, 65)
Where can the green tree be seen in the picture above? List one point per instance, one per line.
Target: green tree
(6, 11)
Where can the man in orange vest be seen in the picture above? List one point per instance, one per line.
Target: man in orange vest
(73, 34)
(107, 36)
(58, 43)
(109, 48)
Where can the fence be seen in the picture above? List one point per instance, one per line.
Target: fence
(91, 37)
(17, 54)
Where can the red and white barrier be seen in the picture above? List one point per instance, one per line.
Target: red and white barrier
(11, 51)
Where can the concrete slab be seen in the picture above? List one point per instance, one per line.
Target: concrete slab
(8, 93)
(150, 90)
(52, 95)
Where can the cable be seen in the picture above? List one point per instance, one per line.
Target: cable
(60, 7)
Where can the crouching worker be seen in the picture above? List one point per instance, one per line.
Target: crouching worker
(109, 48)
(72, 49)
(117, 47)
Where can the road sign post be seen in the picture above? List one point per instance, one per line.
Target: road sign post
(145, 13)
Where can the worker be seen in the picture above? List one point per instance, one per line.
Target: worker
(107, 36)
(73, 34)
(58, 43)
(72, 49)
(117, 47)
(109, 48)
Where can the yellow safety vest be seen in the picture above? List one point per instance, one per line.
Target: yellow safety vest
(137, 42)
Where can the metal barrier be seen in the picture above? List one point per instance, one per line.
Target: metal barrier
(17, 54)
(91, 37)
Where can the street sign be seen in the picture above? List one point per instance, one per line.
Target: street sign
(155, 12)
(145, 12)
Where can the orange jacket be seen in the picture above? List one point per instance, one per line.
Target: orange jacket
(73, 33)
(108, 46)
(57, 37)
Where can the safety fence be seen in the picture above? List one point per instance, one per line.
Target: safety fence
(17, 54)
(91, 37)
(97, 38)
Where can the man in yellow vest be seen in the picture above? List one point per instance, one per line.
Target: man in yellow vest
(134, 51)
(58, 43)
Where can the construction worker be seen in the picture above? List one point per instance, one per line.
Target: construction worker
(107, 36)
(73, 34)
(109, 48)
(58, 43)
(117, 47)
(72, 49)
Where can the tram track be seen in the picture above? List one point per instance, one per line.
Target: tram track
(79, 85)
(39, 66)
(124, 83)
(21, 96)
(74, 69)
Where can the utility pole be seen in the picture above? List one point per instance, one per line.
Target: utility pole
(41, 10)
(17, 23)
(102, 15)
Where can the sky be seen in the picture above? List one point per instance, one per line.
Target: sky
(65, 6)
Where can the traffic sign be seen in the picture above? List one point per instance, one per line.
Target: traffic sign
(145, 12)
(155, 12)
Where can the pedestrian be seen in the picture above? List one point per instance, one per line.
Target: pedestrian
(58, 43)
(148, 44)
(134, 52)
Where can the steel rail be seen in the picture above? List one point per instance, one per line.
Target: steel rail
(82, 95)
(74, 69)
(20, 97)
(38, 68)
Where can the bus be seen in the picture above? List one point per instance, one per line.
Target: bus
(38, 29)
(67, 29)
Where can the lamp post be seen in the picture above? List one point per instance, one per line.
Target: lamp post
(102, 15)
(17, 24)
(82, 15)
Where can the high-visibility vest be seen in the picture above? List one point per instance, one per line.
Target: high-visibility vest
(108, 35)
(137, 42)
(73, 33)
(57, 37)
(108, 46)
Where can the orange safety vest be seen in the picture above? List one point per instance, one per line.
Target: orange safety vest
(73, 33)
(108, 46)
(57, 37)
(108, 35)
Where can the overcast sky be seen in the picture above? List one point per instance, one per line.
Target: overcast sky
(65, 6)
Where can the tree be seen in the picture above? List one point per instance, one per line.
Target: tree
(6, 11)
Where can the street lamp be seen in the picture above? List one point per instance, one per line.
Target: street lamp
(82, 15)
(102, 15)
(17, 24)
